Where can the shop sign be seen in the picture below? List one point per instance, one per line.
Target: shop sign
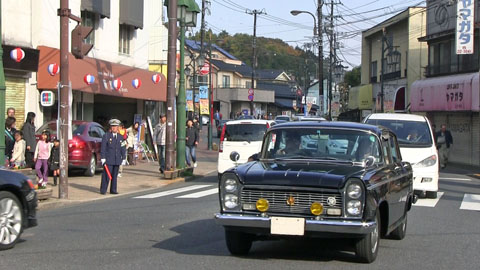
(465, 26)
(47, 98)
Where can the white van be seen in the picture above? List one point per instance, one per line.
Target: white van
(417, 146)
(242, 136)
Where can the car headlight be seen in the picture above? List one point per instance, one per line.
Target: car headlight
(230, 185)
(354, 191)
(354, 207)
(230, 201)
(430, 161)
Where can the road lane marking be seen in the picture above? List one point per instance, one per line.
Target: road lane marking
(471, 202)
(429, 202)
(456, 179)
(199, 194)
(171, 192)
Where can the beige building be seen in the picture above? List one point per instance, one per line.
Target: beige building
(403, 60)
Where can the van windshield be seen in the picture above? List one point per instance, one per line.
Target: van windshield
(409, 133)
(245, 132)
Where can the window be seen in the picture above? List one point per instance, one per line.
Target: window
(94, 132)
(202, 80)
(124, 38)
(90, 19)
(393, 149)
(442, 58)
(373, 71)
(226, 81)
(248, 84)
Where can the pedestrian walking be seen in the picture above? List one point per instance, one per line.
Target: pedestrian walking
(9, 136)
(123, 133)
(132, 134)
(112, 155)
(41, 156)
(18, 155)
(196, 124)
(30, 140)
(54, 160)
(191, 142)
(444, 140)
(216, 116)
(160, 139)
(11, 112)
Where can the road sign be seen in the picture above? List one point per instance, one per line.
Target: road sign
(47, 98)
(250, 97)
(205, 69)
(250, 92)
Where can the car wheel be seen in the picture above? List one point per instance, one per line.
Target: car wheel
(11, 220)
(92, 166)
(400, 232)
(431, 194)
(238, 243)
(366, 248)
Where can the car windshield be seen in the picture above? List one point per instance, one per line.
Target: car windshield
(245, 117)
(285, 118)
(245, 132)
(409, 133)
(52, 128)
(321, 144)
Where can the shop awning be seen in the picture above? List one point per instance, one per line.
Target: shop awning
(360, 97)
(131, 13)
(446, 93)
(284, 103)
(101, 7)
(104, 74)
(28, 63)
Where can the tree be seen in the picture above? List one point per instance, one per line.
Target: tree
(353, 77)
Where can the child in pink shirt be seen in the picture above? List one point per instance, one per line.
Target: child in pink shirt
(42, 153)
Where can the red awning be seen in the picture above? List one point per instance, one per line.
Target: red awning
(105, 73)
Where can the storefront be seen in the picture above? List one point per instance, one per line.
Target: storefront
(102, 89)
(359, 103)
(454, 101)
(19, 64)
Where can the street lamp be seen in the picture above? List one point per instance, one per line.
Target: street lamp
(296, 12)
(392, 58)
(187, 11)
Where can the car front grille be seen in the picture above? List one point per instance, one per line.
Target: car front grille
(278, 200)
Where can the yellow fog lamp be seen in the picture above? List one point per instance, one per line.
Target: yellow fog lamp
(316, 208)
(262, 205)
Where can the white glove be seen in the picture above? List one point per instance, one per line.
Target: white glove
(103, 161)
(124, 162)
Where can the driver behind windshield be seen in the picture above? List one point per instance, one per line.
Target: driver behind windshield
(292, 145)
(365, 148)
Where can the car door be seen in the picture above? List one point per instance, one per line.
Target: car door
(94, 140)
(397, 184)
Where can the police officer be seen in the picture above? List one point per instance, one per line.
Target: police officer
(112, 155)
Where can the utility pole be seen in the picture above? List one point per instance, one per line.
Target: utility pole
(2, 97)
(331, 63)
(202, 37)
(64, 91)
(170, 157)
(383, 71)
(320, 50)
(210, 93)
(254, 12)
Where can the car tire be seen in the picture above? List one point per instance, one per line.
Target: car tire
(400, 232)
(366, 248)
(238, 243)
(11, 220)
(92, 166)
(431, 194)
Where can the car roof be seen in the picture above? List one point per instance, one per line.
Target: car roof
(309, 118)
(397, 116)
(249, 121)
(326, 124)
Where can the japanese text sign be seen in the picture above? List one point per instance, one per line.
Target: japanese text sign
(465, 26)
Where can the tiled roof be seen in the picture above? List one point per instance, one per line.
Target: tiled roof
(268, 74)
(281, 89)
(243, 69)
(195, 45)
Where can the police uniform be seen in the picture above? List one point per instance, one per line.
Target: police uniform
(112, 154)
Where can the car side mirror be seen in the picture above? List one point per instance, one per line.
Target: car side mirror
(406, 164)
(369, 161)
(234, 156)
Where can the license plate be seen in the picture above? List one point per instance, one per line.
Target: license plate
(287, 226)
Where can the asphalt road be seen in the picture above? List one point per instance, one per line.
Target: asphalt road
(163, 231)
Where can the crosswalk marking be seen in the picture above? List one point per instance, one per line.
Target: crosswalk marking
(199, 194)
(456, 179)
(171, 192)
(429, 202)
(471, 202)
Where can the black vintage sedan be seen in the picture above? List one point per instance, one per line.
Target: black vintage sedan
(297, 188)
(18, 203)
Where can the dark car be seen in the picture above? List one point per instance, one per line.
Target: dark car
(220, 125)
(84, 147)
(292, 190)
(18, 203)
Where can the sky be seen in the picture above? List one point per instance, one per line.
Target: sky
(351, 17)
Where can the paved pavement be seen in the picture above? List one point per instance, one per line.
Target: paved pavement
(141, 177)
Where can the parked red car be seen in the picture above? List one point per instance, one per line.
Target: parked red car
(84, 147)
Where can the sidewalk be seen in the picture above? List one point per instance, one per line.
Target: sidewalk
(142, 177)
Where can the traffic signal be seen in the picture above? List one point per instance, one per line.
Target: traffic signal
(79, 34)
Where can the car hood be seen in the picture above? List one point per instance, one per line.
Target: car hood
(415, 155)
(301, 174)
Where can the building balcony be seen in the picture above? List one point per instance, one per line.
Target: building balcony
(442, 70)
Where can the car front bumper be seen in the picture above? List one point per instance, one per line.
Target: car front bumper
(311, 225)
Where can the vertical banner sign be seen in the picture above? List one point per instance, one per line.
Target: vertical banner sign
(465, 26)
(189, 94)
(203, 95)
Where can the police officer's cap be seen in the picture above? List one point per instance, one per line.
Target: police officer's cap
(114, 122)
